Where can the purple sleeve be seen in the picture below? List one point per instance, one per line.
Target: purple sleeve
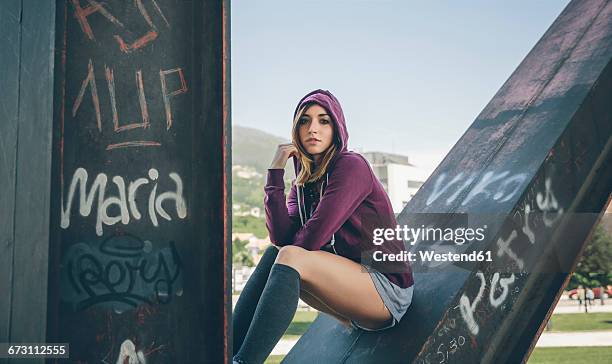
(349, 184)
(282, 217)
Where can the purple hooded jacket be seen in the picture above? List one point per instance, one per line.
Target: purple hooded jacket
(352, 204)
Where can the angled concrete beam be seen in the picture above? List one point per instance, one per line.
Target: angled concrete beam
(535, 168)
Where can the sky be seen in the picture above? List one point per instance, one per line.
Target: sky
(411, 76)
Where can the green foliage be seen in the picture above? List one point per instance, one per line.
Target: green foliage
(597, 257)
(253, 149)
(250, 224)
(248, 192)
(595, 266)
(240, 253)
(571, 355)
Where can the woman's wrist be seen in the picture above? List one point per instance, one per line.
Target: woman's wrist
(275, 178)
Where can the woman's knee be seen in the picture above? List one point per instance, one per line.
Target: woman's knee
(291, 255)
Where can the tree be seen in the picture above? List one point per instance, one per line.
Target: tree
(595, 267)
(240, 253)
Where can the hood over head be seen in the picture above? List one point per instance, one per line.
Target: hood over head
(330, 103)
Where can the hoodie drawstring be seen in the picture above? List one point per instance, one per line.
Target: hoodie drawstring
(299, 199)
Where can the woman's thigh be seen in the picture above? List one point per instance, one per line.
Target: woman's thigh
(338, 282)
(320, 306)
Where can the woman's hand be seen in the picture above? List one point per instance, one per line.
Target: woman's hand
(283, 152)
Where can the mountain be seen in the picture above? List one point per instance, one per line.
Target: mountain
(253, 147)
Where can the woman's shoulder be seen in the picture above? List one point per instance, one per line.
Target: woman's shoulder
(353, 164)
(352, 159)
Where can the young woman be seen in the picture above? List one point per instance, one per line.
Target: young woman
(323, 238)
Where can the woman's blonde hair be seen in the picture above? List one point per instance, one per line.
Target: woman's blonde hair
(307, 174)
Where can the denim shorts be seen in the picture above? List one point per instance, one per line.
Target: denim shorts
(396, 299)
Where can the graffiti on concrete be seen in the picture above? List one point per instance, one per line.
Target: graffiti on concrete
(120, 273)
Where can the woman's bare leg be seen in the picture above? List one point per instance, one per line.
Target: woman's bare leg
(338, 282)
(319, 305)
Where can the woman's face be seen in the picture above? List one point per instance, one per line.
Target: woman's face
(316, 131)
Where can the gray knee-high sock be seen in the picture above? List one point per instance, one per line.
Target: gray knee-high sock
(249, 297)
(273, 315)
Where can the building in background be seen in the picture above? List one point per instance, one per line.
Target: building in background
(255, 247)
(399, 177)
(237, 210)
(246, 172)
